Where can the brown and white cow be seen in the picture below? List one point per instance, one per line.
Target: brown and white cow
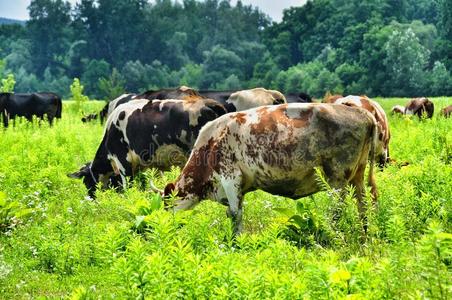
(377, 111)
(247, 99)
(277, 149)
(420, 107)
(147, 133)
(446, 111)
(331, 98)
(397, 110)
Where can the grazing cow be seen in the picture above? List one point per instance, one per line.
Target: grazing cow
(144, 133)
(419, 107)
(298, 98)
(378, 112)
(108, 108)
(398, 110)
(29, 105)
(331, 98)
(277, 149)
(246, 99)
(219, 96)
(446, 111)
(182, 93)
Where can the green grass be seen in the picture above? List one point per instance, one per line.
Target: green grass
(56, 243)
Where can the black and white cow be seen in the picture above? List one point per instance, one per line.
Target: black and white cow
(144, 133)
(182, 93)
(28, 105)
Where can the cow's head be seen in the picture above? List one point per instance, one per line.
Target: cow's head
(90, 179)
(218, 108)
(429, 108)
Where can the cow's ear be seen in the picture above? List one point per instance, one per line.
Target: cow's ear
(80, 173)
(169, 188)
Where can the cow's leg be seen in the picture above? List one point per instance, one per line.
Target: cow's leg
(122, 168)
(231, 187)
(5, 119)
(358, 182)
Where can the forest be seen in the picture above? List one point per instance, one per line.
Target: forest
(382, 48)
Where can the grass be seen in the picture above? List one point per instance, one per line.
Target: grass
(57, 243)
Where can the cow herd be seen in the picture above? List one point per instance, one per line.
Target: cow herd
(232, 142)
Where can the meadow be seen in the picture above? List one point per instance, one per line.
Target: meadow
(55, 242)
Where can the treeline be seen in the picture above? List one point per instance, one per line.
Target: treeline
(376, 47)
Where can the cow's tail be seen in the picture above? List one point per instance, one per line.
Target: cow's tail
(59, 108)
(373, 146)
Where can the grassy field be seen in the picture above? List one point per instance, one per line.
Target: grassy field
(57, 243)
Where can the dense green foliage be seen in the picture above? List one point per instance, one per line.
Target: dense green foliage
(377, 47)
(55, 242)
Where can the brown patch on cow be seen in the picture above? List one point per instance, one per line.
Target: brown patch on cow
(269, 121)
(331, 98)
(122, 115)
(203, 162)
(239, 118)
(192, 98)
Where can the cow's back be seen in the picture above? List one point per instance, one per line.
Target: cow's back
(277, 148)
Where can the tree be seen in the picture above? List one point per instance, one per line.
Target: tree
(220, 63)
(405, 62)
(49, 32)
(441, 80)
(113, 86)
(95, 70)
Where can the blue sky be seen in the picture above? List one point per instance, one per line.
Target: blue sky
(17, 9)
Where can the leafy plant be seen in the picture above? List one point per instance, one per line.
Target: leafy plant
(11, 213)
(304, 228)
(77, 95)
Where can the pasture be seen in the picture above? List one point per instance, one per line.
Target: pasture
(55, 242)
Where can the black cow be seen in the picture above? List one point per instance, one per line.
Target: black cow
(144, 133)
(298, 98)
(182, 93)
(29, 105)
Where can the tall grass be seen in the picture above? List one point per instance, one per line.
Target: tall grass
(58, 243)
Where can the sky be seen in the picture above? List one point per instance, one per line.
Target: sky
(17, 9)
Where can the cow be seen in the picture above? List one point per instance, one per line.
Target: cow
(223, 96)
(378, 112)
(246, 99)
(398, 110)
(146, 133)
(419, 107)
(331, 98)
(278, 149)
(108, 108)
(219, 96)
(298, 98)
(40, 105)
(182, 93)
(446, 111)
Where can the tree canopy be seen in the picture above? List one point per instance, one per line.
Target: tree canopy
(378, 47)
